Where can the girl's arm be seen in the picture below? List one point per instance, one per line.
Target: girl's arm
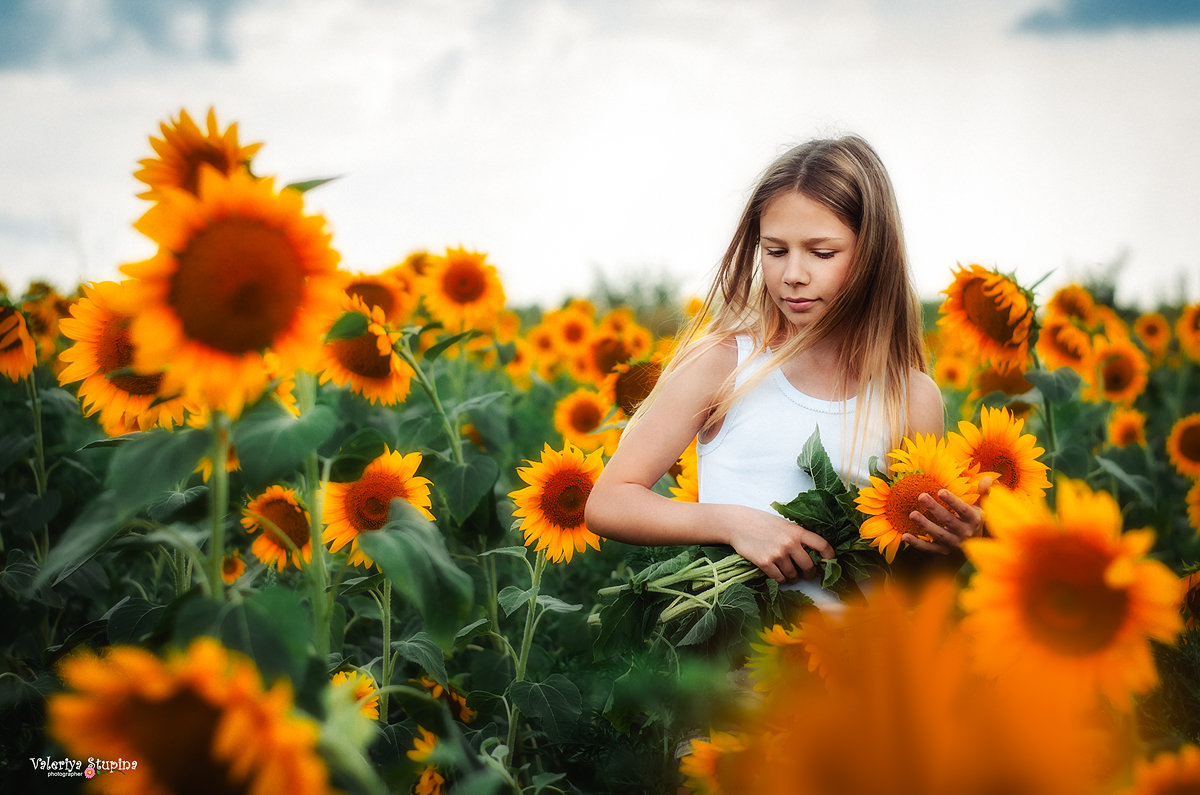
(623, 507)
(948, 527)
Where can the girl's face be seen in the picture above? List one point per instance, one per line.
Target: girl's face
(806, 255)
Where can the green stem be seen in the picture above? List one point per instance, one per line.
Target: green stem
(218, 502)
(1047, 414)
(39, 463)
(493, 606)
(385, 611)
(318, 566)
(526, 645)
(430, 389)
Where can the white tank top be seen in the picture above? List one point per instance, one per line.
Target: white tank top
(751, 460)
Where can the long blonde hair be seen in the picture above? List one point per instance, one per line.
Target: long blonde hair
(876, 317)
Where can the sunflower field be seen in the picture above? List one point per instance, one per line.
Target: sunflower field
(271, 525)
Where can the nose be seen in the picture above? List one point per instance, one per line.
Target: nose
(795, 273)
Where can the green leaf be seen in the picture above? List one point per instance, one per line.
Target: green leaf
(308, 184)
(1056, 386)
(91, 530)
(359, 449)
(464, 485)
(439, 347)
(411, 551)
(511, 598)
(556, 702)
(1139, 484)
(271, 442)
(666, 567)
(815, 461)
(173, 501)
(422, 650)
(152, 462)
(556, 605)
(512, 552)
(626, 622)
(347, 327)
(13, 447)
(132, 620)
(476, 402)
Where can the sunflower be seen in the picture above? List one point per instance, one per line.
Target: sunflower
(43, 308)
(18, 354)
(604, 352)
(546, 359)
(232, 567)
(102, 356)
(953, 371)
(1187, 329)
(1071, 597)
(1189, 593)
(1168, 773)
(923, 465)
(629, 383)
(1193, 505)
(780, 654)
(570, 327)
(429, 781)
(389, 291)
(455, 700)
(1062, 343)
(991, 313)
(361, 689)
(197, 721)
(462, 290)
(702, 767)
(551, 506)
(521, 364)
(997, 447)
(1076, 302)
(1183, 445)
(352, 509)
(866, 730)
(580, 418)
(239, 270)
(184, 150)
(1154, 331)
(368, 363)
(279, 514)
(687, 480)
(1009, 382)
(1121, 371)
(1126, 426)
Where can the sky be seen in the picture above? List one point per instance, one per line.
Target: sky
(1051, 139)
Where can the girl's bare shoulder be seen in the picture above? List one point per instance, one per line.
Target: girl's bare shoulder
(709, 358)
(926, 410)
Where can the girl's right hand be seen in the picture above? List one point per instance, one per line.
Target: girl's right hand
(776, 545)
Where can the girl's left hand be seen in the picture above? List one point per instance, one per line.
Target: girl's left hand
(950, 524)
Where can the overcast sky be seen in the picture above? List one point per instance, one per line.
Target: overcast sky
(569, 136)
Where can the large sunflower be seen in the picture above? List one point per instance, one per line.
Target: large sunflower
(1187, 329)
(277, 512)
(102, 356)
(368, 363)
(1183, 445)
(1168, 773)
(198, 721)
(462, 290)
(1071, 597)
(866, 729)
(18, 354)
(991, 313)
(240, 270)
(185, 149)
(1154, 331)
(923, 465)
(360, 688)
(352, 509)
(703, 767)
(551, 506)
(997, 447)
(1121, 371)
(1126, 426)
(580, 418)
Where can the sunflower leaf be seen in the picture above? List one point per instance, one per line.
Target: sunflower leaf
(1056, 386)
(352, 456)
(348, 326)
(271, 441)
(511, 598)
(411, 551)
(464, 485)
(815, 461)
(303, 186)
(1137, 483)
(422, 650)
(439, 347)
(556, 702)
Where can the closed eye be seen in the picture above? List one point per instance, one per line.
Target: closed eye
(775, 252)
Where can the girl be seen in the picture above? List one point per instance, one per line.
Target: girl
(810, 323)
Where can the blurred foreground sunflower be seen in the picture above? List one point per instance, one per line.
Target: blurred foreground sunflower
(197, 721)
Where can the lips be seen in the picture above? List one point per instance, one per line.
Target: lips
(799, 304)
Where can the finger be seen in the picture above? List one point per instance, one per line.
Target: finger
(928, 546)
(822, 547)
(932, 528)
(953, 502)
(985, 485)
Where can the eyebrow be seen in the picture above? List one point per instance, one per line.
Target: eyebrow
(808, 241)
